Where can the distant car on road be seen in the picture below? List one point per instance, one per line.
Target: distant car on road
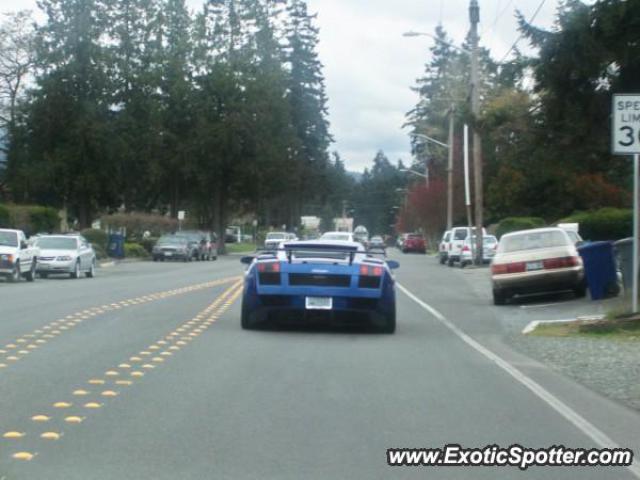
(319, 281)
(536, 261)
(377, 243)
(414, 242)
(274, 239)
(338, 236)
(18, 259)
(489, 247)
(361, 234)
(173, 247)
(65, 254)
(458, 236)
(444, 246)
(205, 244)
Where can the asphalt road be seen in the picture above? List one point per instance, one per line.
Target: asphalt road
(144, 373)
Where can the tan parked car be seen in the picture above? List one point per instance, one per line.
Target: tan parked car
(536, 261)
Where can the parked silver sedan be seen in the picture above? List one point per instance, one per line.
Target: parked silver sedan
(65, 254)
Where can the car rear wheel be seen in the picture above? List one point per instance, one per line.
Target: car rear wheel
(499, 297)
(245, 319)
(389, 326)
(580, 291)
(450, 262)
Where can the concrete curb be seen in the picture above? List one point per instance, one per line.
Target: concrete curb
(531, 326)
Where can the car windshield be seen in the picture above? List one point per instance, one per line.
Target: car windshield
(460, 234)
(9, 239)
(57, 243)
(533, 241)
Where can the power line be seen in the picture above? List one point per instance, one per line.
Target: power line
(533, 17)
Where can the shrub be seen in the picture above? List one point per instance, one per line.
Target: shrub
(134, 250)
(43, 219)
(98, 238)
(513, 224)
(101, 252)
(604, 224)
(148, 243)
(5, 217)
(138, 223)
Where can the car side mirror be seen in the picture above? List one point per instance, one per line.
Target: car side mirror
(393, 264)
(579, 243)
(23, 245)
(247, 260)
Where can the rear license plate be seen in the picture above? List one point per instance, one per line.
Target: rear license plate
(534, 266)
(319, 303)
(168, 254)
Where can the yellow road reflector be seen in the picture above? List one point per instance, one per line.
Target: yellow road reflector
(154, 347)
(13, 435)
(109, 393)
(137, 373)
(80, 392)
(13, 358)
(73, 419)
(62, 405)
(148, 366)
(173, 347)
(23, 456)
(161, 342)
(23, 352)
(157, 359)
(40, 418)
(3, 365)
(111, 373)
(166, 354)
(96, 381)
(92, 405)
(124, 382)
(124, 365)
(135, 359)
(50, 436)
(145, 353)
(20, 340)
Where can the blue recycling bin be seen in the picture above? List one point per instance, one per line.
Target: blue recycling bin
(116, 245)
(600, 269)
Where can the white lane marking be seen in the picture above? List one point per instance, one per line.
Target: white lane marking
(586, 427)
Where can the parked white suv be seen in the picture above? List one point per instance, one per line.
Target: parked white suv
(444, 246)
(458, 236)
(17, 258)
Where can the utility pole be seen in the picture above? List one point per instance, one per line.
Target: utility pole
(450, 169)
(474, 16)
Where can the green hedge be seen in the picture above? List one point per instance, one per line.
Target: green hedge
(513, 224)
(603, 224)
(101, 252)
(5, 217)
(134, 250)
(98, 238)
(30, 218)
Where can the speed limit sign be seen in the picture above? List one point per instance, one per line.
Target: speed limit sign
(626, 124)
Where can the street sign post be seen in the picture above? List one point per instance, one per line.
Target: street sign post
(181, 215)
(625, 136)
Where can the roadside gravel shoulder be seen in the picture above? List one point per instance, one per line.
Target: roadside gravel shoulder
(607, 365)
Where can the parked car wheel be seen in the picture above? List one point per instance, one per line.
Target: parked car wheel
(76, 271)
(92, 271)
(450, 262)
(443, 260)
(31, 274)
(16, 274)
(499, 298)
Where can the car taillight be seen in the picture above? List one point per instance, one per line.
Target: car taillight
(466, 248)
(269, 267)
(502, 268)
(561, 262)
(370, 271)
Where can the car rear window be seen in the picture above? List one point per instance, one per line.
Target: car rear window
(446, 237)
(415, 237)
(460, 234)
(533, 241)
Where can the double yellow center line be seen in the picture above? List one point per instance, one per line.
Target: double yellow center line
(98, 391)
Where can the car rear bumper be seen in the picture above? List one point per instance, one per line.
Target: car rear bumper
(539, 281)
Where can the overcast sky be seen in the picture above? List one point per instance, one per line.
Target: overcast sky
(370, 66)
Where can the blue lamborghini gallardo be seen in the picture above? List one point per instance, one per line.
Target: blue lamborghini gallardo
(321, 282)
